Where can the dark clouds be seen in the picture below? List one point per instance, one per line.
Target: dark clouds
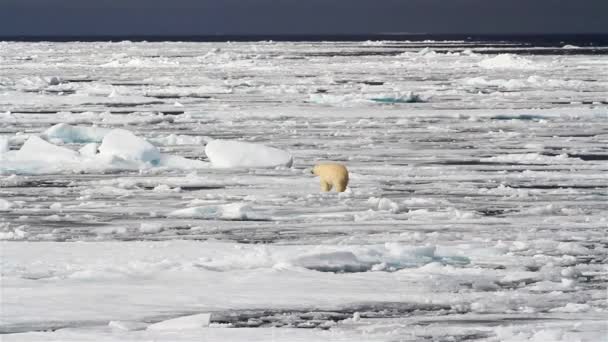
(190, 17)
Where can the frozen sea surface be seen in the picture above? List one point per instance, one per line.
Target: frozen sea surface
(477, 208)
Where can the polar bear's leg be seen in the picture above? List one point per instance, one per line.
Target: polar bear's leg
(325, 186)
(341, 186)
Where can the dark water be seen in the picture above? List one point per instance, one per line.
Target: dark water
(545, 40)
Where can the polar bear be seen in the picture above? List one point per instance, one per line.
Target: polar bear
(331, 175)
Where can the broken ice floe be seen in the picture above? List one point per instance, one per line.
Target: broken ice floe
(379, 98)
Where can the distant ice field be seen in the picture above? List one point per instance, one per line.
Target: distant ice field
(477, 207)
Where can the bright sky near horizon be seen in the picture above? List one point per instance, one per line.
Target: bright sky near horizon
(202, 17)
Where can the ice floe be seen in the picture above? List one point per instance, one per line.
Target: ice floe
(69, 134)
(182, 323)
(126, 145)
(238, 154)
(37, 149)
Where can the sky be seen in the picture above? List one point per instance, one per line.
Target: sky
(258, 17)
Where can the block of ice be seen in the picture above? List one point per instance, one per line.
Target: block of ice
(127, 325)
(75, 134)
(5, 205)
(231, 211)
(89, 150)
(38, 149)
(126, 145)
(408, 97)
(182, 323)
(4, 144)
(234, 154)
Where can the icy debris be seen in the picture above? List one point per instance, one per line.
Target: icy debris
(34, 83)
(340, 261)
(570, 272)
(379, 98)
(166, 188)
(38, 149)
(531, 158)
(151, 228)
(232, 211)
(181, 163)
(173, 139)
(573, 248)
(389, 257)
(182, 323)
(52, 80)
(234, 154)
(15, 234)
(385, 204)
(119, 150)
(532, 82)
(235, 211)
(5, 205)
(69, 134)
(180, 92)
(408, 97)
(126, 145)
(427, 51)
(572, 308)
(507, 61)
(136, 62)
(552, 333)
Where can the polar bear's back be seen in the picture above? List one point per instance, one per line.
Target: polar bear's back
(333, 173)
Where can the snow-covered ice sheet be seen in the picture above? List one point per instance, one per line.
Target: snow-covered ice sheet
(476, 209)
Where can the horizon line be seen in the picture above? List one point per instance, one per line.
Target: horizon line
(249, 37)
